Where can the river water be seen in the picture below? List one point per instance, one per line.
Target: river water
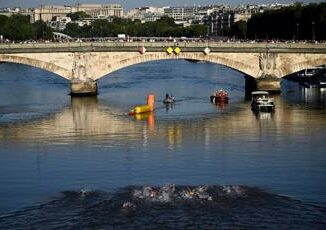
(73, 162)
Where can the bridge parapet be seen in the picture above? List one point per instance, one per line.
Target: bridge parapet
(161, 46)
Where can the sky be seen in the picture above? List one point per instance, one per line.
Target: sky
(129, 4)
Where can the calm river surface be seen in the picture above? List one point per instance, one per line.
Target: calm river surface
(73, 162)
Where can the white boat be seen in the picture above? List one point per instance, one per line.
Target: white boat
(261, 102)
(312, 73)
(309, 72)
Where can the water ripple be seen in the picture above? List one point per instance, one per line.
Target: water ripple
(170, 207)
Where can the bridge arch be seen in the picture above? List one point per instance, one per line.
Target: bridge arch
(136, 58)
(287, 69)
(62, 72)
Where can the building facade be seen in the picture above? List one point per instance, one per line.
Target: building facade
(47, 13)
(146, 14)
(181, 13)
(220, 22)
(100, 11)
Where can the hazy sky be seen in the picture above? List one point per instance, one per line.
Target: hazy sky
(129, 4)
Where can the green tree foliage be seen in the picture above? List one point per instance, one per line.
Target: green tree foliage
(164, 27)
(239, 30)
(3, 21)
(42, 31)
(293, 22)
(73, 30)
(195, 31)
(166, 21)
(101, 28)
(78, 15)
(18, 28)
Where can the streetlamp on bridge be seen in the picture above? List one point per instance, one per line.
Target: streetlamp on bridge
(298, 24)
(313, 30)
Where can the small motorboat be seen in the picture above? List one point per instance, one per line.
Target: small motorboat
(261, 102)
(220, 96)
(168, 99)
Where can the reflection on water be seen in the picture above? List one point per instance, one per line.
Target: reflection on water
(315, 96)
(263, 115)
(149, 116)
(221, 105)
(169, 106)
(91, 143)
(174, 136)
(87, 119)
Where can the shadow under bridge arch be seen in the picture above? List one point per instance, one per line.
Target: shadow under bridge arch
(117, 61)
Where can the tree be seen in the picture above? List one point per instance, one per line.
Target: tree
(166, 20)
(42, 31)
(73, 30)
(239, 29)
(296, 21)
(78, 15)
(3, 21)
(18, 27)
(102, 28)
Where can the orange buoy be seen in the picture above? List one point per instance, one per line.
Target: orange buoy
(151, 101)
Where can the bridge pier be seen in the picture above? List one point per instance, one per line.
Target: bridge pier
(270, 84)
(88, 88)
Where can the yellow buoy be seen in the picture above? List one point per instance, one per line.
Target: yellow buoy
(142, 109)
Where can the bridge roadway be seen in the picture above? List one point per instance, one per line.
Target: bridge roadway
(83, 63)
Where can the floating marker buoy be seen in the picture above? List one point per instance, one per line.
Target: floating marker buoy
(144, 108)
(151, 101)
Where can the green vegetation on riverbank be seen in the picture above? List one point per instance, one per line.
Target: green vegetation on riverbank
(163, 27)
(299, 22)
(296, 22)
(18, 27)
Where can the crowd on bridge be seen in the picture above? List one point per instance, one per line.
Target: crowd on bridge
(160, 39)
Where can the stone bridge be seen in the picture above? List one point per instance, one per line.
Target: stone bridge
(84, 63)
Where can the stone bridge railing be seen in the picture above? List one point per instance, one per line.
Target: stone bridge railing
(161, 46)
